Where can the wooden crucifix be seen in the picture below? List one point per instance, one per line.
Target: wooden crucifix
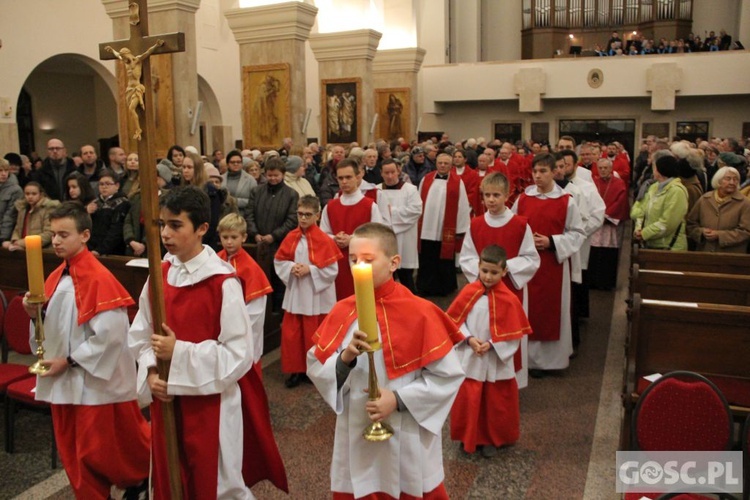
(134, 54)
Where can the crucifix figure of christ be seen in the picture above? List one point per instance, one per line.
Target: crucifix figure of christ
(138, 99)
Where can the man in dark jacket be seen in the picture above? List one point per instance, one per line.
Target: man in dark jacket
(55, 168)
(272, 213)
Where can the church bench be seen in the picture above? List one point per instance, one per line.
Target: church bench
(710, 339)
(13, 279)
(700, 262)
(688, 286)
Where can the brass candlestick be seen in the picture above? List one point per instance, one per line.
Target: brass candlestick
(38, 368)
(376, 431)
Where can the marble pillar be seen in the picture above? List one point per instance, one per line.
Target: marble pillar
(272, 44)
(174, 76)
(392, 70)
(347, 56)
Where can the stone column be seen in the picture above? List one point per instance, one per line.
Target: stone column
(348, 55)
(398, 68)
(274, 36)
(175, 75)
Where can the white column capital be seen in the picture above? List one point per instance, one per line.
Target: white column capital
(392, 60)
(119, 8)
(283, 21)
(356, 44)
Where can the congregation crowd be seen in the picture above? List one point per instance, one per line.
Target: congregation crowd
(532, 228)
(640, 45)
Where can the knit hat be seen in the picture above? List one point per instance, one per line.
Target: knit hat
(293, 163)
(731, 159)
(164, 170)
(211, 170)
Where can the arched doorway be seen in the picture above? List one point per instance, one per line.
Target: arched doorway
(210, 136)
(70, 97)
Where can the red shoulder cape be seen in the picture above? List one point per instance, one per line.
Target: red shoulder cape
(254, 281)
(321, 250)
(97, 290)
(507, 319)
(414, 332)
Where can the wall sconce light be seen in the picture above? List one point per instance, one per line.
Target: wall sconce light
(5, 107)
(571, 36)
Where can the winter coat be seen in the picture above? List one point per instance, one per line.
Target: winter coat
(661, 214)
(10, 193)
(731, 218)
(38, 220)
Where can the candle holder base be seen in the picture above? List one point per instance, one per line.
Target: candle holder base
(38, 368)
(377, 432)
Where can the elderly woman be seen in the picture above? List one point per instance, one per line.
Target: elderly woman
(295, 176)
(660, 216)
(720, 220)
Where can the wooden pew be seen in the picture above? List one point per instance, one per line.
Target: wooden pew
(699, 262)
(688, 286)
(710, 339)
(13, 278)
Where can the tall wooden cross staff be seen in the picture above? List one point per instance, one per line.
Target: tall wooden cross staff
(134, 54)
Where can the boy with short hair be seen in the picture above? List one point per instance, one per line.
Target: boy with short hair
(342, 215)
(499, 225)
(207, 339)
(418, 373)
(558, 234)
(108, 220)
(490, 316)
(91, 379)
(307, 263)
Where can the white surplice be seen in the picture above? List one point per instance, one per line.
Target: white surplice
(596, 208)
(555, 355)
(310, 295)
(411, 461)
(107, 373)
(348, 200)
(497, 363)
(401, 210)
(434, 210)
(520, 270)
(208, 367)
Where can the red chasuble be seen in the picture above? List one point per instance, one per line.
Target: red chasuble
(414, 332)
(347, 218)
(450, 218)
(471, 182)
(194, 313)
(321, 250)
(547, 217)
(97, 290)
(508, 321)
(614, 192)
(254, 281)
(510, 236)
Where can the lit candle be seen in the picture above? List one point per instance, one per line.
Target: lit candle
(34, 266)
(364, 292)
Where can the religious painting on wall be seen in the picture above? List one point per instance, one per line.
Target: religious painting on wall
(340, 110)
(392, 107)
(266, 105)
(162, 105)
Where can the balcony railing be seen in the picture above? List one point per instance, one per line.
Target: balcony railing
(602, 13)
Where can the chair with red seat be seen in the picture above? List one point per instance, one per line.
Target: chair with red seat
(15, 335)
(670, 412)
(20, 391)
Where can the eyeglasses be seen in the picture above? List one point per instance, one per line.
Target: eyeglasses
(54, 148)
(305, 215)
(107, 183)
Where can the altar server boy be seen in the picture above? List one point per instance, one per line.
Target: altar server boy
(491, 318)
(307, 263)
(418, 376)
(91, 379)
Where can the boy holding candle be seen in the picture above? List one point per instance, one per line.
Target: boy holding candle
(91, 379)
(307, 263)
(418, 373)
(492, 319)
(208, 341)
